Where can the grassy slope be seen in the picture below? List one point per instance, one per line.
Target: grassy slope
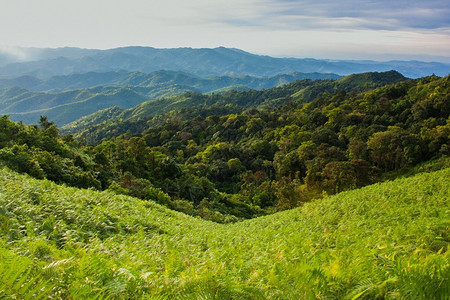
(387, 240)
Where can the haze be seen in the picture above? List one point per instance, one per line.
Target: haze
(380, 30)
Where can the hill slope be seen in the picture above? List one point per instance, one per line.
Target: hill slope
(305, 90)
(62, 108)
(388, 240)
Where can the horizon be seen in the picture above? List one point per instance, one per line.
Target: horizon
(348, 30)
(17, 52)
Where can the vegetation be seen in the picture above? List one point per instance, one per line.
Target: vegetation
(224, 163)
(131, 206)
(388, 240)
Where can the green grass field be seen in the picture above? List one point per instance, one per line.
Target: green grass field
(385, 241)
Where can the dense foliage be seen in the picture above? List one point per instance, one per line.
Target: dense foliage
(225, 166)
(386, 241)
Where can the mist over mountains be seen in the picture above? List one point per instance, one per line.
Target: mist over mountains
(45, 63)
(155, 83)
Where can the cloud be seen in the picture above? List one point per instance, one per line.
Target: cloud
(309, 14)
(14, 53)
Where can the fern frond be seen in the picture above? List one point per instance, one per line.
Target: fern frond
(18, 280)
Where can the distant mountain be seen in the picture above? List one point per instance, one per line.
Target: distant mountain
(67, 98)
(62, 108)
(45, 63)
(155, 80)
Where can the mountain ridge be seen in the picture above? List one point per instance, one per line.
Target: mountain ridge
(199, 61)
(302, 90)
(27, 105)
(163, 77)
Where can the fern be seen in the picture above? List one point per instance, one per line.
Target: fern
(387, 241)
(18, 280)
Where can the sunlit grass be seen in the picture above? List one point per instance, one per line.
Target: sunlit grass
(388, 240)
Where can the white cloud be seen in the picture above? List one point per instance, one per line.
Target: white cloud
(19, 54)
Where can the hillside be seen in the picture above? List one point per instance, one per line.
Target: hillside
(62, 108)
(388, 240)
(353, 82)
(304, 90)
(204, 62)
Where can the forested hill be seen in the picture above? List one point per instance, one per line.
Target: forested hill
(118, 121)
(226, 166)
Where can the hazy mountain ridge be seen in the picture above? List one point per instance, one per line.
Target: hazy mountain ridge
(64, 99)
(28, 106)
(159, 78)
(45, 63)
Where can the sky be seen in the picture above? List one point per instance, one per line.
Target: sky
(346, 29)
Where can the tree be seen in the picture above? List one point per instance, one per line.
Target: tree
(393, 148)
(45, 123)
(339, 176)
(235, 166)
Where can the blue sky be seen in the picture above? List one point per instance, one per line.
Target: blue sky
(381, 30)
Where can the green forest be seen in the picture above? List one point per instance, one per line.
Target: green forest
(231, 195)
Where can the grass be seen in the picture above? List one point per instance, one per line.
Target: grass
(387, 241)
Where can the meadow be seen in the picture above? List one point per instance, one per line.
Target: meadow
(384, 241)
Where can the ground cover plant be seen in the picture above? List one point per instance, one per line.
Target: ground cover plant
(387, 241)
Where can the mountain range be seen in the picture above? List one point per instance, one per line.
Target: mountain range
(66, 98)
(150, 83)
(115, 120)
(204, 62)
(157, 92)
(66, 84)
